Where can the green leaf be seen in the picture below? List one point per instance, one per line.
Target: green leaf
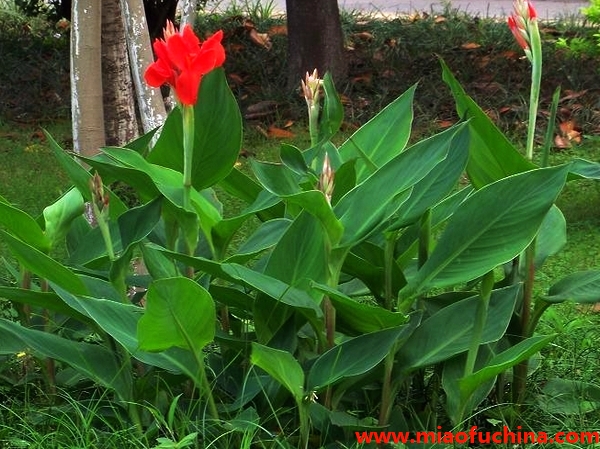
(332, 113)
(276, 289)
(582, 287)
(46, 300)
(492, 156)
(353, 357)
(366, 262)
(120, 321)
(378, 197)
(59, 215)
(427, 345)
(277, 178)
(354, 317)
(441, 181)
(381, 139)
(138, 222)
(217, 136)
(490, 228)
(569, 397)
(581, 168)
(178, 313)
(80, 177)
(43, 265)
(282, 367)
(265, 237)
(552, 236)
(293, 159)
(93, 361)
(23, 226)
(503, 361)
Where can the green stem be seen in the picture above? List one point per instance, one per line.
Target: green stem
(187, 113)
(387, 393)
(487, 285)
(550, 130)
(206, 389)
(105, 231)
(424, 237)
(390, 245)
(536, 81)
(520, 370)
(313, 124)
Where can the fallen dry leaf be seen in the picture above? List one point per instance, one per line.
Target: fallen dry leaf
(470, 46)
(261, 39)
(278, 133)
(278, 30)
(568, 135)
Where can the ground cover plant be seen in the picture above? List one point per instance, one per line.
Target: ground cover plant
(324, 318)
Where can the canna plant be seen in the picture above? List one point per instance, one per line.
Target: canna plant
(373, 273)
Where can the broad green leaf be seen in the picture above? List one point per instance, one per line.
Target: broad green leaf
(569, 397)
(378, 197)
(46, 300)
(150, 180)
(492, 156)
(276, 289)
(353, 357)
(491, 227)
(293, 159)
(180, 313)
(138, 222)
(129, 229)
(93, 361)
(43, 265)
(552, 236)
(59, 215)
(23, 226)
(80, 177)
(582, 286)
(277, 178)
(332, 113)
(366, 262)
(265, 237)
(158, 264)
(427, 345)
(355, 318)
(581, 168)
(315, 203)
(453, 370)
(437, 184)
(282, 367)
(217, 135)
(120, 321)
(382, 138)
(503, 361)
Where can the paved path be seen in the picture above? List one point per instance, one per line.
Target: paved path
(547, 9)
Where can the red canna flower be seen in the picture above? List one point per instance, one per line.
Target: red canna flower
(182, 61)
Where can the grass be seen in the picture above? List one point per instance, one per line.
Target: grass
(386, 58)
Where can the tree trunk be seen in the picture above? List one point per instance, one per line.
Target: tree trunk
(315, 40)
(150, 101)
(188, 12)
(86, 77)
(120, 120)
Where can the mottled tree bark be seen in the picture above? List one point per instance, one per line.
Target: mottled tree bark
(120, 120)
(315, 40)
(150, 102)
(86, 77)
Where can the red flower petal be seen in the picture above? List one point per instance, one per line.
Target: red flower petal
(186, 87)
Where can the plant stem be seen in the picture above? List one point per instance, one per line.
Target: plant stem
(536, 81)
(390, 245)
(550, 129)
(487, 285)
(187, 113)
(520, 370)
